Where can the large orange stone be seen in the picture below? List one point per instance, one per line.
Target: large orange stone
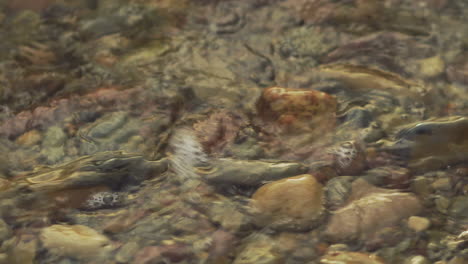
(293, 203)
(286, 104)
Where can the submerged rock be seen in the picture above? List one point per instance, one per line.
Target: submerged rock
(345, 257)
(259, 249)
(75, 241)
(433, 144)
(251, 172)
(292, 203)
(369, 209)
(295, 108)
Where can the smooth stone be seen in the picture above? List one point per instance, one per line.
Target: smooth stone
(442, 184)
(459, 260)
(75, 241)
(418, 223)
(421, 186)
(368, 210)
(291, 203)
(432, 145)
(431, 67)
(54, 137)
(3, 258)
(338, 190)
(29, 138)
(251, 172)
(5, 231)
(259, 249)
(127, 252)
(346, 257)
(23, 251)
(417, 260)
(108, 124)
(442, 204)
(459, 207)
(53, 154)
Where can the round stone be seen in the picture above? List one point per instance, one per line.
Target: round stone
(290, 203)
(418, 224)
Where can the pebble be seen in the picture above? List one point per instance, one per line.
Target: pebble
(295, 107)
(108, 124)
(431, 67)
(24, 250)
(349, 158)
(442, 184)
(259, 249)
(459, 260)
(5, 230)
(459, 207)
(29, 138)
(346, 257)
(294, 202)
(418, 224)
(126, 252)
(252, 172)
(416, 260)
(76, 241)
(338, 190)
(54, 137)
(368, 210)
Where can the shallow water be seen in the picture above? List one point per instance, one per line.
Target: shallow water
(262, 131)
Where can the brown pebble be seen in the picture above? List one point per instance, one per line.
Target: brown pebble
(294, 202)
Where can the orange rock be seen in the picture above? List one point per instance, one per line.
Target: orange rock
(29, 138)
(290, 203)
(285, 103)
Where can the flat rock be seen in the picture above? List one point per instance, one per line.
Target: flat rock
(368, 210)
(75, 241)
(290, 203)
(345, 257)
(252, 172)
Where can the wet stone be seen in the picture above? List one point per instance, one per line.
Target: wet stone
(251, 172)
(347, 257)
(292, 203)
(29, 138)
(75, 241)
(368, 210)
(433, 144)
(459, 208)
(5, 230)
(127, 252)
(24, 250)
(338, 190)
(259, 249)
(418, 224)
(417, 260)
(109, 124)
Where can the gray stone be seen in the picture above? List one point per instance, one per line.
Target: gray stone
(5, 231)
(459, 208)
(251, 172)
(126, 252)
(338, 190)
(54, 137)
(108, 124)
